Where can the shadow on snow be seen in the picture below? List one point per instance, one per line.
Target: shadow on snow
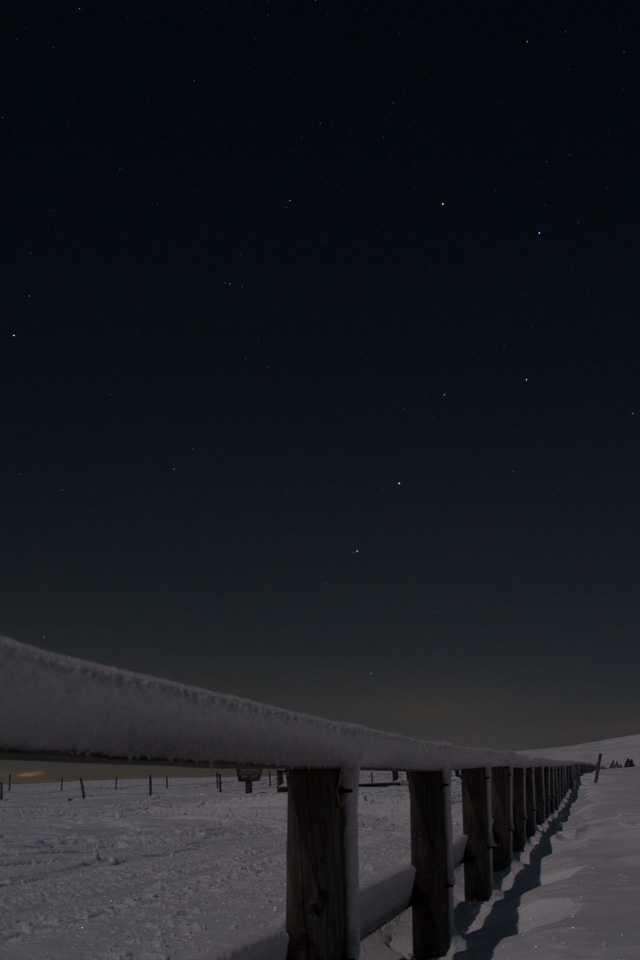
(502, 919)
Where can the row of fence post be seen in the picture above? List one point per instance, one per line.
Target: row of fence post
(501, 808)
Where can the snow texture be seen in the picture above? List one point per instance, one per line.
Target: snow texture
(193, 874)
(574, 892)
(52, 704)
(187, 873)
(616, 749)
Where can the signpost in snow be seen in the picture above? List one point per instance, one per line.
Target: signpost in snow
(248, 775)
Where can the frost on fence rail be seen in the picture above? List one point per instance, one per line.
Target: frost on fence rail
(52, 705)
(55, 706)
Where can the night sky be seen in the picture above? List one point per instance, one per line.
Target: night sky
(319, 348)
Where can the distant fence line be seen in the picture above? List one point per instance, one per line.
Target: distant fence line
(54, 707)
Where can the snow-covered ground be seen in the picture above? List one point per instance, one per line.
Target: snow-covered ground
(193, 874)
(185, 873)
(580, 902)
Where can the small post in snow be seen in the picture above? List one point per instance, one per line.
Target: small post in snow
(61, 783)
(595, 779)
(150, 785)
(82, 788)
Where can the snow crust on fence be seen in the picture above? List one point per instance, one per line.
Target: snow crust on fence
(385, 899)
(380, 902)
(54, 704)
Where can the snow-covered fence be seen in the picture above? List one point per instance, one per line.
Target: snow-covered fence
(54, 707)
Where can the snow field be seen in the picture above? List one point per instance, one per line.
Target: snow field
(585, 903)
(187, 873)
(192, 874)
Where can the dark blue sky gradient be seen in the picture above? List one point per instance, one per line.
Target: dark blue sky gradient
(319, 355)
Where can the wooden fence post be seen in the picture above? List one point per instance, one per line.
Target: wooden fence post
(348, 787)
(316, 879)
(548, 793)
(502, 812)
(431, 856)
(476, 824)
(540, 799)
(519, 809)
(531, 802)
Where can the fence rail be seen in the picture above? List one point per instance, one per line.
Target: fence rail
(54, 707)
